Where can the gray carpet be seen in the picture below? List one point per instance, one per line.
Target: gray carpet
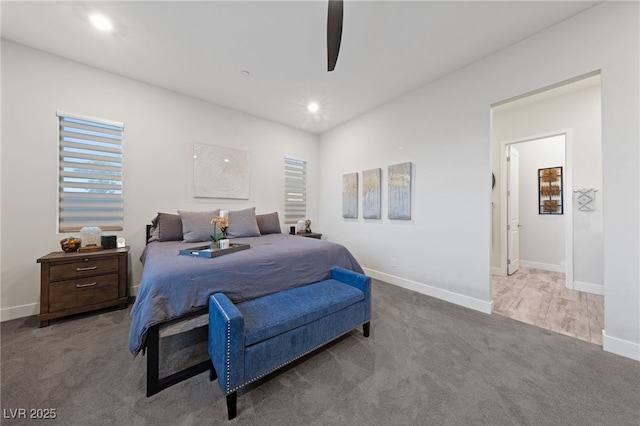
(426, 362)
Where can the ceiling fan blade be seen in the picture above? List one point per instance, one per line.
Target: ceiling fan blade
(334, 32)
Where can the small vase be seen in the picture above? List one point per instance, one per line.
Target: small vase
(215, 245)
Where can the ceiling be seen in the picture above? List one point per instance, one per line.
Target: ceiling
(201, 49)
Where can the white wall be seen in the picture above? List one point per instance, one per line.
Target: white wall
(542, 236)
(444, 130)
(160, 128)
(580, 113)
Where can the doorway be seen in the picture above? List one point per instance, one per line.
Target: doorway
(572, 256)
(538, 222)
(534, 290)
(549, 235)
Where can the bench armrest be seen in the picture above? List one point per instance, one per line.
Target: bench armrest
(226, 342)
(357, 280)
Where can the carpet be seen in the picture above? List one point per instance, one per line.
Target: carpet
(426, 362)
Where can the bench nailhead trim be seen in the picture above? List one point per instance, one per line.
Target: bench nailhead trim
(228, 356)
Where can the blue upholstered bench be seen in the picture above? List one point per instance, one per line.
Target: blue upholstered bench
(249, 340)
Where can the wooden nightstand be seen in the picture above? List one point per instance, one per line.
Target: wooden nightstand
(71, 283)
(309, 235)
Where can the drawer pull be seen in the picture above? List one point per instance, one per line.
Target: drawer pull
(90, 268)
(86, 285)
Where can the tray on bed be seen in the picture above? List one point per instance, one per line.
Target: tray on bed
(207, 251)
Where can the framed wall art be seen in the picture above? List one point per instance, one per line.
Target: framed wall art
(350, 195)
(220, 172)
(550, 196)
(372, 194)
(399, 181)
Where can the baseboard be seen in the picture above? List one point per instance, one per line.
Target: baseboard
(544, 266)
(588, 287)
(14, 312)
(438, 293)
(496, 270)
(620, 347)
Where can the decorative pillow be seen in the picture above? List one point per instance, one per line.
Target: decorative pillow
(269, 223)
(196, 226)
(166, 227)
(242, 223)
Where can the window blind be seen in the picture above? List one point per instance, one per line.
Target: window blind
(295, 190)
(90, 184)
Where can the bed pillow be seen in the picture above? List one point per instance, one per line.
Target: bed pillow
(166, 227)
(196, 226)
(243, 223)
(268, 223)
(153, 232)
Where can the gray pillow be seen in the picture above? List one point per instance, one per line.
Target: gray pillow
(196, 226)
(269, 223)
(242, 223)
(166, 227)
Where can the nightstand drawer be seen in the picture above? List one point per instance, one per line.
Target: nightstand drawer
(81, 292)
(83, 268)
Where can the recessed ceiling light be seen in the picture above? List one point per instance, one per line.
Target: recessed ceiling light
(101, 22)
(313, 107)
(245, 73)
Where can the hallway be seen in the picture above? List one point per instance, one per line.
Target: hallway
(540, 298)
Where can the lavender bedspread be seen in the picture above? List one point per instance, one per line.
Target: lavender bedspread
(173, 285)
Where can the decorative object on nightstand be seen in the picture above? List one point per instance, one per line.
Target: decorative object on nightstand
(71, 244)
(307, 226)
(108, 241)
(72, 283)
(91, 239)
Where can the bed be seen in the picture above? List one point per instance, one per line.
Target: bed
(175, 287)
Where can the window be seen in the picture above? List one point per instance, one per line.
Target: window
(295, 190)
(90, 184)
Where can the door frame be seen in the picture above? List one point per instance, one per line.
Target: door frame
(513, 194)
(568, 200)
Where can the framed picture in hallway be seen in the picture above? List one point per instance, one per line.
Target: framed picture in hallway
(550, 197)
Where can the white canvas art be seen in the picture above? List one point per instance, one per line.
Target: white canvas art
(220, 172)
(400, 191)
(350, 195)
(371, 194)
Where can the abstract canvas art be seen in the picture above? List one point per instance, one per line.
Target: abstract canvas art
(399, 179)
(220, 172)
(371, 194)
(350, 195)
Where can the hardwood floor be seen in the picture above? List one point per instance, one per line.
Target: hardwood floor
(540, 298)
